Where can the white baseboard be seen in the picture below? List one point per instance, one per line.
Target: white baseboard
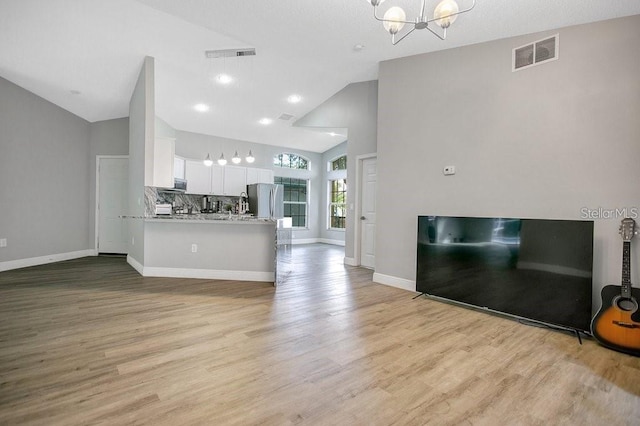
(389, 280)
(296, 241)
(333, 242)
(351, 261)
(135, 264)
(43, 260)
(209, 274)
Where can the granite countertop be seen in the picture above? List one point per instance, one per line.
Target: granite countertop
(207, 217)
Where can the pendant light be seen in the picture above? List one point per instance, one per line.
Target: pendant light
(250, 158)
(222, 161)
(208, 161)
(236, 158)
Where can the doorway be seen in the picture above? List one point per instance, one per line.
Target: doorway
(112, 189)
(367, 238)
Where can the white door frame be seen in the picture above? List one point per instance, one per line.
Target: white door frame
(357, 229)
(96, 219)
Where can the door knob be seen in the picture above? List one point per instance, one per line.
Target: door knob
(362, 218)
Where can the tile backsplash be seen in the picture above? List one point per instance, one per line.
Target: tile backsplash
(155, 196)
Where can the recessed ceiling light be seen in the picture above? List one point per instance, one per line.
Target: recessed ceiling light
(333, 134)
(224, 78)
(294, 99)
(201, 107)
(265, 121)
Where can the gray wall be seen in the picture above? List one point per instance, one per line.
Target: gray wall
(141, 139)
(196, 146)
(355, 108)
(330, 155)
(44, 176)
(109, 137)
(543, 142)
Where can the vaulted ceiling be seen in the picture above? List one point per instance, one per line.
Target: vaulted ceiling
(85, 55)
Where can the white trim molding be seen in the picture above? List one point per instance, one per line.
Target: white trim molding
(209, 274)
(332, 242)
(43, 260)
(392, 281)
(351, 261)
(135, 264)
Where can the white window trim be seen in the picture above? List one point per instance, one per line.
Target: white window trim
(330, 162)
(306, 203)
(291, 168)
(338, 176)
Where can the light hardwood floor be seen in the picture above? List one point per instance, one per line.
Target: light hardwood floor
(89, 341)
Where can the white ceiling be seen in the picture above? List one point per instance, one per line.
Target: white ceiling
(96, 47)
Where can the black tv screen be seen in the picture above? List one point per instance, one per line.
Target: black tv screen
(531, 268)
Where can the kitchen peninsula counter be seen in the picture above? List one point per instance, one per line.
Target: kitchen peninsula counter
(209, 246)
(211, 217)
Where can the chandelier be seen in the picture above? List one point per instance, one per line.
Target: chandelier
(394, 19)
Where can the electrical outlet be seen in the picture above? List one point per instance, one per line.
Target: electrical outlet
(133, 241)
(194, 248)
(449, 170)
(3, 242)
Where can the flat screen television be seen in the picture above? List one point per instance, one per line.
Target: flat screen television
(536, 269)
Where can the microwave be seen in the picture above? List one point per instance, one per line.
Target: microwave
(179, 184)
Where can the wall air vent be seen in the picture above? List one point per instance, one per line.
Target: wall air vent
(229, 53)
(535, 53)
(285, 117)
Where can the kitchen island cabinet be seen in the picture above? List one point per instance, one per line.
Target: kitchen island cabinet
(209, 247)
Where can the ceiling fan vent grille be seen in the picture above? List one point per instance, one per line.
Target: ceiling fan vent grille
(229, 53)
(536, 53)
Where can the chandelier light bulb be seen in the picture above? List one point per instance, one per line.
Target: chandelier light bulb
(250, 158)
(393, 19)
(236, 158)
(222, 161)
(443, 11)
(208, 161)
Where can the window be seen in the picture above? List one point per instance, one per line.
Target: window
(339, 163)
(337, 203)
(295, 200)
(291, 161)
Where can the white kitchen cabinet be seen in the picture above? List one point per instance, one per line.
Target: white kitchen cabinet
(217, 179)
(259, 175)
(198, 177)
(235, 180)
(178, 167)
(265, 176)
(163, 154)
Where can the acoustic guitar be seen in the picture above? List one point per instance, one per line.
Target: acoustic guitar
(617, 323)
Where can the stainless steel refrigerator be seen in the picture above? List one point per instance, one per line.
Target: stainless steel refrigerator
(266, 200)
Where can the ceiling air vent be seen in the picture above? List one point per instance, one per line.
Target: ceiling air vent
(535, 53)
(285, 117)
(229, 53)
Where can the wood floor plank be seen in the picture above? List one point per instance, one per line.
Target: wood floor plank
(89, 341)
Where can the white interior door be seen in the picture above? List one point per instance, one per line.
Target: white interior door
(113, 193)
(368, 213)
